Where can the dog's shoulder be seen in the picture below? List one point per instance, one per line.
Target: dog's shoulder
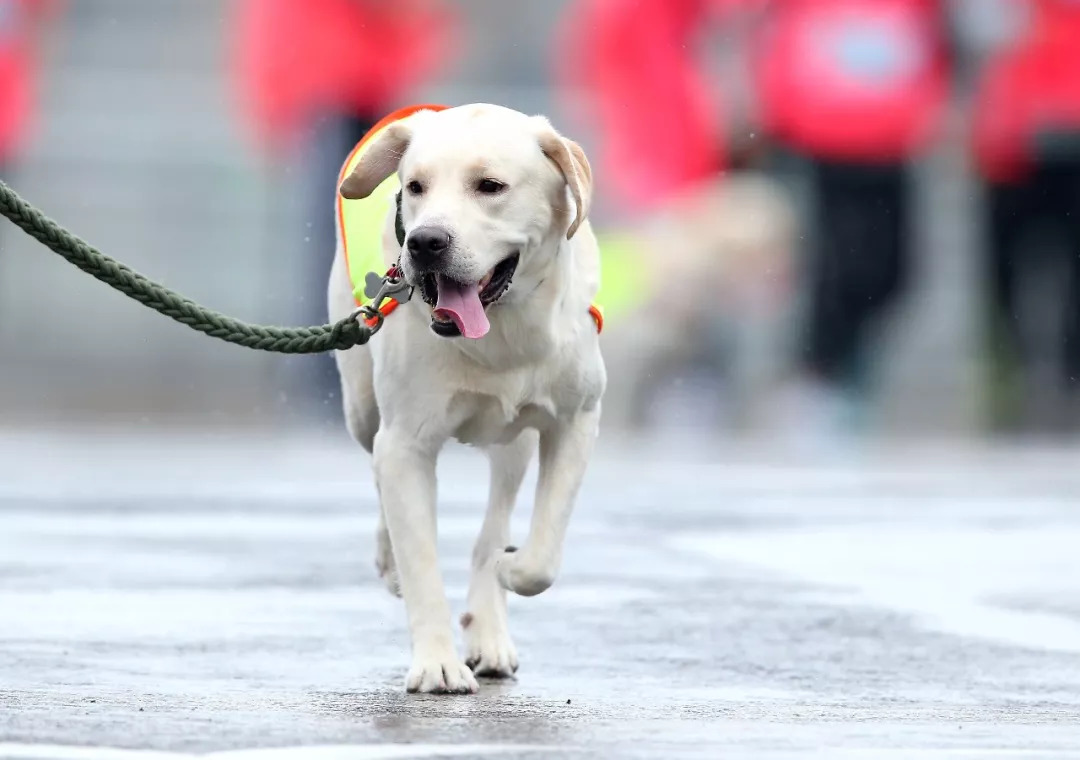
(586, 252)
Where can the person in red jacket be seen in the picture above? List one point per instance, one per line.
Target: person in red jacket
(665, 123)
(1026, 141)
(857, 89)
(311, 79)
(302, 64)
(20, 22)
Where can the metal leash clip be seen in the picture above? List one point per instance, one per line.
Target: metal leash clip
(377, 289)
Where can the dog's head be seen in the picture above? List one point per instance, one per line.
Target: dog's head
(487, 194)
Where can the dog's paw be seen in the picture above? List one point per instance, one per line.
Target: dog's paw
(440, 673)
(384, 563)
(389, 578)
(517, 571)
(489, 650)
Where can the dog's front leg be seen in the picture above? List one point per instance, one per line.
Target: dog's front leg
(564, 453)
(405, 472)
(490, 651)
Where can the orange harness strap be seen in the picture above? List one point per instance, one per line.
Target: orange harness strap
(597, 317)
(386, 310)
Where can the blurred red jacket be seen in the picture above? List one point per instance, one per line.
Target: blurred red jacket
(18, 69)
(860, 80)
(659, 116)
(852, 80)
(1030, 85)
(297, 60)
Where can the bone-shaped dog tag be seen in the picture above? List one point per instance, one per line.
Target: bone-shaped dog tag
(377, 289)
(372, 285)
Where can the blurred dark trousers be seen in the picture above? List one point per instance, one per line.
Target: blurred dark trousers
(859, 263)
(331, 139)
(1048, 201)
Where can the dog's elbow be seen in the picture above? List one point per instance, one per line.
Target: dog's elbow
(525, 578)
(531, 584)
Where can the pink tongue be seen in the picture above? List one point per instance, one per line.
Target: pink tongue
(461, 303)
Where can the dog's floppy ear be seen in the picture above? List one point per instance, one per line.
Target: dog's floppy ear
(570, 159)
(379, 161)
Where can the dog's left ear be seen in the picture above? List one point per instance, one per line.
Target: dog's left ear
(570, 159)
(379, 161)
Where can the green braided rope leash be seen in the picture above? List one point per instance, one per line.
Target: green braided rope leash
(341, 335)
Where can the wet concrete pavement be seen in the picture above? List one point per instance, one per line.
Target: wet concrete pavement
(205, 593)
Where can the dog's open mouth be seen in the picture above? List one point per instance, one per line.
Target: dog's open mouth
(459, 308)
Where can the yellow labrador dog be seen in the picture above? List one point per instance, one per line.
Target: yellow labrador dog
(498, 351)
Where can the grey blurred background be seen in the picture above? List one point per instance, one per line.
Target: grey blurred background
(139, 148)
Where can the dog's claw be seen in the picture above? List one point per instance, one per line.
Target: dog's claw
(481, 670)
(490, 651)
(492, 672)
(449, 676)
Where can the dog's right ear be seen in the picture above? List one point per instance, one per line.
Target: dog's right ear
(379, 161)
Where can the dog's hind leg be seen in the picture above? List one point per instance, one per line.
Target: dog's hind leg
(356, 368)
(362, 422)
(384, 554)
(489, 649)
(564, 453)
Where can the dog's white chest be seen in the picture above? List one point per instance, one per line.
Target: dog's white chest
(484, 420)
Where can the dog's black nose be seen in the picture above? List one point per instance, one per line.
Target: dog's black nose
(428, 245)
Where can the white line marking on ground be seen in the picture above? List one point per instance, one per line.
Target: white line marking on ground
(327, 752)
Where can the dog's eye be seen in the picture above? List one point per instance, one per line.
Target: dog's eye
(414, 188)
(490, 186)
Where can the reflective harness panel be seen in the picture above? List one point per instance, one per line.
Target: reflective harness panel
(360, 222)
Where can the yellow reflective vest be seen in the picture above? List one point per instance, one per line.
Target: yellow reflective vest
(360, 225)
